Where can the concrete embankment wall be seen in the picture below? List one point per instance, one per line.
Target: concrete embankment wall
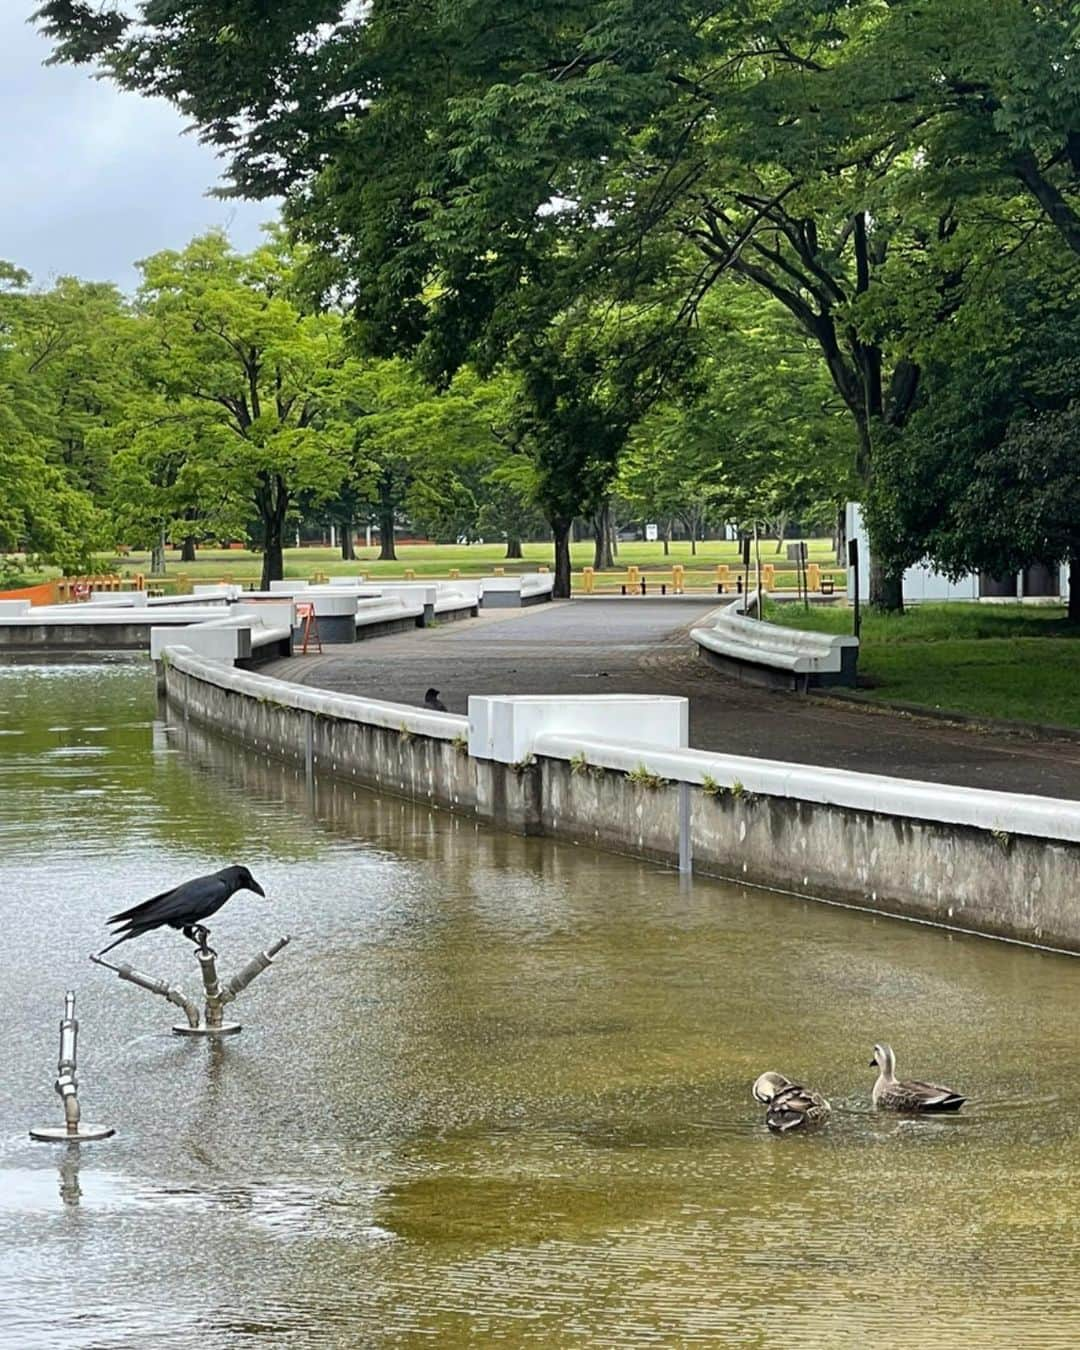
(999, 864)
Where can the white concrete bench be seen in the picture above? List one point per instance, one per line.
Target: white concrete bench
(530, 588)
(766, 653)
(378, 615)
(445, 599)
(235, 637)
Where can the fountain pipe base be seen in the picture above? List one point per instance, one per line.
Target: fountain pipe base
(223, 1029)
(60, 1134)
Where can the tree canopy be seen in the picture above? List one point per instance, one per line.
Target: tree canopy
(571, 193)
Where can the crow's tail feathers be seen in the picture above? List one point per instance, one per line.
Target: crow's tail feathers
(135, 913)
(133, 930)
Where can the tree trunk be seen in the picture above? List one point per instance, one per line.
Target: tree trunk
(273, 503)
(273, 563)
(348, 551)
(781, 530)
(1074, 583)
(602, 556)
(513, 546)
(886, 588)
(157, 556)
(840, 536)
(387, 552)
(667, 538)
(187, 549)
(560, 529)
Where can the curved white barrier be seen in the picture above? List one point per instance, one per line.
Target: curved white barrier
(822, 658)
(1008, 812)
(348, 707)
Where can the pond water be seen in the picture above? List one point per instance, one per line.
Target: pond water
(497, 1090)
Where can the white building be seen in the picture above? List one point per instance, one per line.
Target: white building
(924, 582)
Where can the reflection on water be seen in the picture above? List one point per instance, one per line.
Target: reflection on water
(497, 1090)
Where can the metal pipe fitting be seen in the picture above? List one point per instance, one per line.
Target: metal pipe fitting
(240, 981)
(175, 996)
(67, 1086)
(208, 966)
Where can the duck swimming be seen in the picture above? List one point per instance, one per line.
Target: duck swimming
(910, 1095)
(790, 1105)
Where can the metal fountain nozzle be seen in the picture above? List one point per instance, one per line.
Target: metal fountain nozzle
(67, 1087)
(217, 992)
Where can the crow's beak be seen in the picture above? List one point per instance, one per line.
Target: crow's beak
(873, 1064)
(257, 888)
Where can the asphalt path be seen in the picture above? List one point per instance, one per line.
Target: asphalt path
(641, 645)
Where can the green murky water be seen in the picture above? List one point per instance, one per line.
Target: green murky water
(497, 1090)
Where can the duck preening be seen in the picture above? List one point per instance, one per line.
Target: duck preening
(183, 907)
(892, 1094)
(790, 1105)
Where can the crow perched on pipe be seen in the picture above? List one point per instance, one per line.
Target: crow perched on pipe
(432, 700)
(183, 906)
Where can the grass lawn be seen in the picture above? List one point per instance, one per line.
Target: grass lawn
(1007, 661)
(473, 560)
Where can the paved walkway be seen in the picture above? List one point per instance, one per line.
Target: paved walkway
(640, 645)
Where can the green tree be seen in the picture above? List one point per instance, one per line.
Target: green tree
(987, 479)
(850, 160)
(241, 398)
(44, 511)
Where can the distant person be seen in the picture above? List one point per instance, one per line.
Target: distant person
(432, 700)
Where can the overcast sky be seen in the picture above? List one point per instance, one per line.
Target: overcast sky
(94, 179)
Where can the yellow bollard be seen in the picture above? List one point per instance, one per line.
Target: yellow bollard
(543, 568)
(455, 574)
(723, 572)
(410, 574)
(140, 582)
(500, 571)
(318, 578)
(813, 576)
(678, 574)
(768, 576)
(183, 584)
(632, 579)
(588, 580)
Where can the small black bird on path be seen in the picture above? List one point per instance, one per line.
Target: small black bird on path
(432, 700)
(183, 906)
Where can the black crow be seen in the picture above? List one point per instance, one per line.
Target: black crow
(183, 906)
(432, 700)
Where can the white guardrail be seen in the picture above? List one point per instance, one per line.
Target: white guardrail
(346, 707)
(510, 729)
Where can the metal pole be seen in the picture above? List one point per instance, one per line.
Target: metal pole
(686, 847)
(208, 967)
(853, 563)
(67, 1087)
